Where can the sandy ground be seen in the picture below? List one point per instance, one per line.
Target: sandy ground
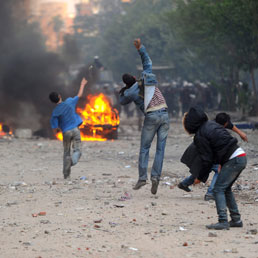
(101, 216)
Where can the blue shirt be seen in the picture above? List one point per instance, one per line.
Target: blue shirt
(64, 115)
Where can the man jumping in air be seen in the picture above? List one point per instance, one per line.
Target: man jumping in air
(148, 98)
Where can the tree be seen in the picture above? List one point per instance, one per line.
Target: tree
(221, 33)
(144, 19)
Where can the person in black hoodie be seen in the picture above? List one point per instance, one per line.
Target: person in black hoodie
(191, 159)
(215, 145)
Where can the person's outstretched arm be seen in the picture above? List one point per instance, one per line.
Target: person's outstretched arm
(146, 61)
(83, 83)
(240, 133)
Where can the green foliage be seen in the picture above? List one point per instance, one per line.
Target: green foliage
(208, 40)
(119, 26)
(222, 34)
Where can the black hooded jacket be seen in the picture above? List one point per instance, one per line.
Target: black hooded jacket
(213, 142)
(192, 159)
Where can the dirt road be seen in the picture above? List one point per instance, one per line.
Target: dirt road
(97, 214)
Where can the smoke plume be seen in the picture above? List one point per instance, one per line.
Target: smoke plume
(28, 73)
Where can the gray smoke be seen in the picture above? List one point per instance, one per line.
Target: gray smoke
(28, 73)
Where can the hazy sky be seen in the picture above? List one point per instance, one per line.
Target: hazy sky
(70, 3)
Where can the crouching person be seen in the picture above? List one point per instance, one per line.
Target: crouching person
(215, 145)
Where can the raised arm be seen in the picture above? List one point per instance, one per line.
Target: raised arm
(146, 61)
(83, 83)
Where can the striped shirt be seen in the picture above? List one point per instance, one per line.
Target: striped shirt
(157, 102)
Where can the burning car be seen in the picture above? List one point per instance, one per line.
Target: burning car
(100, 119)
(98, 111)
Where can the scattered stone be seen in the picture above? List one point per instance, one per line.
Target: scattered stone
(211, 234)
(113, 224)
(119, 205)
(79, 209)
(13, 224)
(252, 231)
(42, 213)
(19, 184)
(98, 221)
(106, 174)
(132, 248)
(45, 221)
(57, 204)
(248, 236)
(27, 243)
(126, 196)
(234, 251)
(40, 144)
(11, 204)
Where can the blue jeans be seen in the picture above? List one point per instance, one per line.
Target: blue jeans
(190, 179)
(213, 181)
(71, 138)
(156, 122)
(224, 196)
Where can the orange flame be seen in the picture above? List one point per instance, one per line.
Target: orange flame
(2, 133)
(1, 130)
(96, 115)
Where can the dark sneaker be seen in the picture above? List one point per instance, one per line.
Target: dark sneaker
(184, 187)
(139, 184)
(209, 197)
(219, 226)
(155, 184)
(236, 224)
